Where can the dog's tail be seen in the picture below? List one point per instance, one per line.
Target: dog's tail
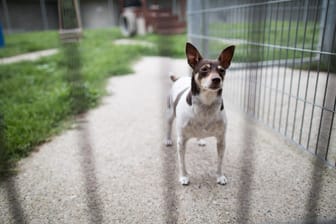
(173, 77)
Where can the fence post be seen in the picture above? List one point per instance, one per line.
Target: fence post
(7, 17)
(195, 23)
(44, 15)
(69, 20)
(3, 151)
(189, 19)
(328, 18)
(204, 31)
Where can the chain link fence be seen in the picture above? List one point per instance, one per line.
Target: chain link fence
(284, 71)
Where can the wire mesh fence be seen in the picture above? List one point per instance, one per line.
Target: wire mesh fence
(285, 63)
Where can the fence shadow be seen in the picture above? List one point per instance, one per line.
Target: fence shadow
(247, 155)
(79, 103)
(94, 202)
(168, 156)
(15, 207)
(7, 181)
(247, 160)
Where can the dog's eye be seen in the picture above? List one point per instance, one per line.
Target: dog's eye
(221, 70)
(204, 69)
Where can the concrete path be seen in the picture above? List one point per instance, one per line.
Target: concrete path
(33, 56)
(134, 42)
(113, 168)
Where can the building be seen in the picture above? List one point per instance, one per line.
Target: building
(33, 15)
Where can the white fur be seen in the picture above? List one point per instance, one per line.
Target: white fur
(201, 143)
(204, 118)
(221, 180)
(184, 180)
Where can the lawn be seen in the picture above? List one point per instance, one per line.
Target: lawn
(267, 33)
(39, 99)
(29, 42)
(172, 46)
(283, 33)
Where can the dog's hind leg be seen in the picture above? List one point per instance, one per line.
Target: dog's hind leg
(221, 179)
(169, 118)
(181, 147)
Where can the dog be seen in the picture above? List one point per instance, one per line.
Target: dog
(197, 105)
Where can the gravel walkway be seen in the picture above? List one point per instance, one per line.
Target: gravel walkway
(113, 168)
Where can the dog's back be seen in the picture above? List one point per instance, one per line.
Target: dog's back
(181, 85)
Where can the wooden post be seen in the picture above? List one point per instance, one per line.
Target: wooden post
(70, 24)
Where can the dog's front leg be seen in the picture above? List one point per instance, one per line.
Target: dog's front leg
(221, 179)
(181, 147)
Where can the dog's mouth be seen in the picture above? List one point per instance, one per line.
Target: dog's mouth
(213, 88)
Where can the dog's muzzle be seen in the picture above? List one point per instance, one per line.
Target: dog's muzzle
(216, 83)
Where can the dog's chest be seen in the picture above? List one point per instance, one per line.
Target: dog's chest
(203, 125)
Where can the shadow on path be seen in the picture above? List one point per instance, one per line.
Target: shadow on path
(8, 180)
(168, 158)
(15, 207)
(79, 103)
(87, 162)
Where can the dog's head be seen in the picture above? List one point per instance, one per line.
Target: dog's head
(208, 75)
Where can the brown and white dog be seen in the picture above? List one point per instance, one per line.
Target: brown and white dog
(196, 103)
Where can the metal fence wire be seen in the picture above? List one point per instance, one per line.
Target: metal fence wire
(284, 71)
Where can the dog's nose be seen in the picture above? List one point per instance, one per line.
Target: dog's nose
(216, 80)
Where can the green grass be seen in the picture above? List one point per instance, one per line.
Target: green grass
(171, 45)
(34, 100)
(282, 33)
(248, 53)
(28, 42)
(39, 99)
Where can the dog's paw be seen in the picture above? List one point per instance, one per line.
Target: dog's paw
(168, 142)
(201, 143)
(221, 180)
(184, 180)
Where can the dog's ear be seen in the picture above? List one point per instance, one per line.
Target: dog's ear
(226, 56)
(193, 55)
